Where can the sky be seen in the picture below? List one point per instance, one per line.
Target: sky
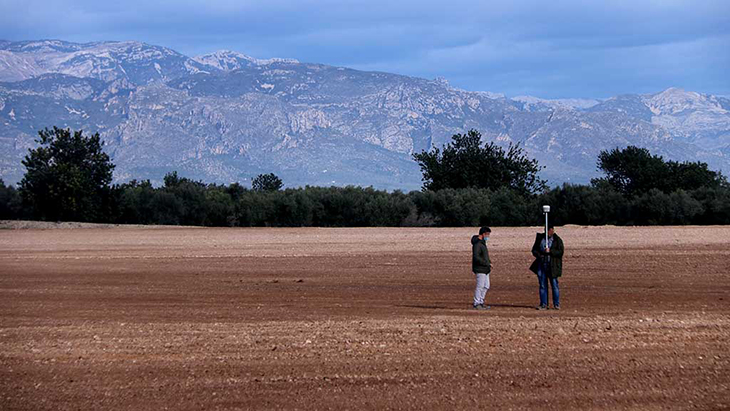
(547, 48)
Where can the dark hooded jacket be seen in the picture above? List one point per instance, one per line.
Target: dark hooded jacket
(556, 255)
(480, 262)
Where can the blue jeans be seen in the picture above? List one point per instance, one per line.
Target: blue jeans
(543, 278)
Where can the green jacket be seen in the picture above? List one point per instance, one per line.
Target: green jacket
(556, 255)
(480, 262)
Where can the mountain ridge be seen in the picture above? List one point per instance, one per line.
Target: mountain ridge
(225, 116)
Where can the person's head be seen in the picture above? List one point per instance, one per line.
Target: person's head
(551, 230)
(484, 232)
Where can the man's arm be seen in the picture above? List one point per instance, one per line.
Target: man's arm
(557, 250)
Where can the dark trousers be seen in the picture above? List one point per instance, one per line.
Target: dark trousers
(543, 276)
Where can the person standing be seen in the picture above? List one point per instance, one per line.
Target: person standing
(548, 265)
(481, 266)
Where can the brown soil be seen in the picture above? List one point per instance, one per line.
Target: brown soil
(186, 318)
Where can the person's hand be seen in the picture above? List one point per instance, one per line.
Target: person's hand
(547, 251)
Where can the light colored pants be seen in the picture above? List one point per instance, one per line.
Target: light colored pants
(482, 288)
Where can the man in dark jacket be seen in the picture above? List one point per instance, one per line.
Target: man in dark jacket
(548, 265)
(481, 266)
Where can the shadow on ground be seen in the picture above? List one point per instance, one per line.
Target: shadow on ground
(443, 307)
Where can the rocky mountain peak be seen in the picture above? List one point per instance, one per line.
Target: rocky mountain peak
(227, 60)
(137, 62)
(226, 116)
(536, 104)
(229, 54)
(676, 100)
(39, 46)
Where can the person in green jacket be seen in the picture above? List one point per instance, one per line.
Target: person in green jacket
(481, 266)
(548, 265)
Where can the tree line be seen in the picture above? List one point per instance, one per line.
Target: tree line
(466, 183)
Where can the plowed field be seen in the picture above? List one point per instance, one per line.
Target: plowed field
(192, 318)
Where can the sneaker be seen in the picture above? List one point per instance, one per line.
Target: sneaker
(542, 308)
(556, 307)
(477, 306)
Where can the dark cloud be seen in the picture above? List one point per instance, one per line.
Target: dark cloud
(546, 48)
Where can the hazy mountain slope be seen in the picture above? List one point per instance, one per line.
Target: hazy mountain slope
(226, 117)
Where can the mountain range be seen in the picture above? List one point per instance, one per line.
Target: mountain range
(226, 117)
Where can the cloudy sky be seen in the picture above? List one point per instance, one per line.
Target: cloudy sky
(545, 48)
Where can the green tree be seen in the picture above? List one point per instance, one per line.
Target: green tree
(220, 208)
(634, 171)
(67, 177)
(191, 196)
(255, 209)
(715, 205)
(585, 205)
(652, 208)
(465, 162)
(134, 203)
(10, 202)
(511, 209)
(266, 182)
(685, 209)
(692, 175)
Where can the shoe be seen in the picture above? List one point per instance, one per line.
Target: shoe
(542, 308)
(556, 307)
(480, 307)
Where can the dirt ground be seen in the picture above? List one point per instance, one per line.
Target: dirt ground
(192, 318)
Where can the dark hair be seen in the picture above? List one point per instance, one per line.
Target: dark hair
(550, 226)
(484, 230)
